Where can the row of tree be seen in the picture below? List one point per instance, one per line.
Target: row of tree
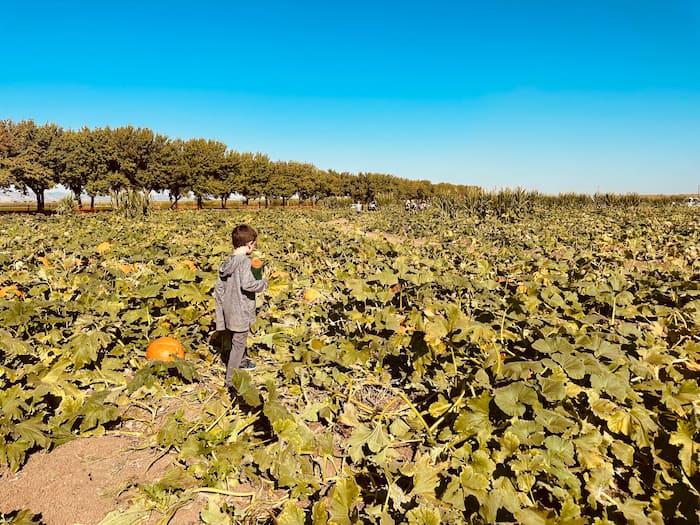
(100, 161)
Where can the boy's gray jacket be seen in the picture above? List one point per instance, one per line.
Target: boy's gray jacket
(234, 294)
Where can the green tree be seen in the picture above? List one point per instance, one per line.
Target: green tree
(127, 152)
(171, 173)
(98, 178)
(328, 184)
(77, 160)
(254, 174)
(203, 161)
(361, 189)
(308, 180)
(5, 147)
(281, 183)
(162, 158)
(228, 179)
(26, 161)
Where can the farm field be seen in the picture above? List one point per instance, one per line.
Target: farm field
(527, 369)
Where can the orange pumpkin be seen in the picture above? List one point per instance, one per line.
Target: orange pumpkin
(310, 295)
(256, 266)
(164, 348)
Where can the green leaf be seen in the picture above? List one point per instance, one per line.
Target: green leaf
(572, 364)
(13, 404)
(639, 513)
(149, 291)
(513, 398)
(424, 515)
(551, 296)
(623, 452)
(678, 398)
(476, 420)
(388, 277)
(87, 345)
(614, 383)
(535, 517)
(12, 346)
(357, 440)
(33, 432)
(683, 437)
(474, 482)
(554, 345)
(319, 514)
(553, 421)
(359, 290)
(276, 413)
(243, 383)
(439, 407)
(173, 432)
(435, 330)
(426, 477)
(559, 450)
(97, 411)
(22, 517)
(291, 514)
(344, 496)
(553, 389)
(137, 513)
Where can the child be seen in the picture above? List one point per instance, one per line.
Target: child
(234, 295)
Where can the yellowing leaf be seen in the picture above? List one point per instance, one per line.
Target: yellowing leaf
(291, 514)
(426, 477)
(344, 496)
(683, 438)
(513, 398)
(620, 421)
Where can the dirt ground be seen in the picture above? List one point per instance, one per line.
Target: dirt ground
(82, 481)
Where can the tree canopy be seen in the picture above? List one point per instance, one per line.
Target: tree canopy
(99, 161)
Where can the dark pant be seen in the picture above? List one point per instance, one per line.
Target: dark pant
(233, 344)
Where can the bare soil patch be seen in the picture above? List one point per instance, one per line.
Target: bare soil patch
(80, 482)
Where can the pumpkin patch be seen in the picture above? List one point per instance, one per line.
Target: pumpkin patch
(483, 371)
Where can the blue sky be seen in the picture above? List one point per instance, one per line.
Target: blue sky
(548, 95)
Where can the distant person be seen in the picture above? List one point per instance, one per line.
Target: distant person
(234, 295)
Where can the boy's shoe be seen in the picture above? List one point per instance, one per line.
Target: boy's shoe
(248, 365)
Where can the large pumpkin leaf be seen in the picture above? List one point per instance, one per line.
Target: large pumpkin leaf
(514, 399)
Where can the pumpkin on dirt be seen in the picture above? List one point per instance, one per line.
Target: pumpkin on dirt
(164, 348)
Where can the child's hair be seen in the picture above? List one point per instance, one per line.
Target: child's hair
(242, 235)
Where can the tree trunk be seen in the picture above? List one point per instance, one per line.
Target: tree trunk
(173, 200)
(39, 200)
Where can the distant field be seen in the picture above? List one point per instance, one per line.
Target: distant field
(10, 207)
